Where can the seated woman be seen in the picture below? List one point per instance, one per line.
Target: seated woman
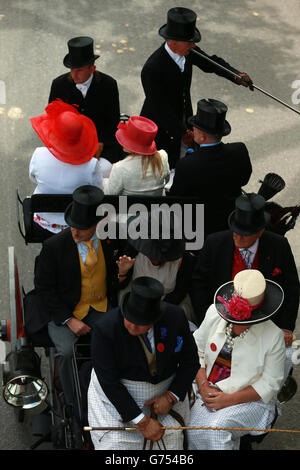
(242, 356)
(66, 162)
(163, 259)
(145, 171)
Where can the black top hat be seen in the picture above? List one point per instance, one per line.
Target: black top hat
(81, 52)
(270, 302)
(210, 117)
(143, 305)
(249, 216)
(181, 26)
(160, 244)
(81, 212)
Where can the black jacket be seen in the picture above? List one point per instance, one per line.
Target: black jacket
(101, 105)
(167, 95)
(57, 281)
(214, 175)
(118, 355)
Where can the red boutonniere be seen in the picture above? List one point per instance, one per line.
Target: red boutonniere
(276, 272)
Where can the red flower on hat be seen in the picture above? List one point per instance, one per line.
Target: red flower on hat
(238, 307)
(160, 347)
(276, 272)
(213, 347)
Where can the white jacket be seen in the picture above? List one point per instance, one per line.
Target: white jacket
(126, 177)
(257, 359)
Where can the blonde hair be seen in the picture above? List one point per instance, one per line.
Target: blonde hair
(155, 161)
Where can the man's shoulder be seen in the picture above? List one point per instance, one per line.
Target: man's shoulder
(64, 78)
(156, 56)
(101, 77)
(58, 239)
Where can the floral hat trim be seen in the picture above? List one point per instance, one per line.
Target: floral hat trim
(238, 307)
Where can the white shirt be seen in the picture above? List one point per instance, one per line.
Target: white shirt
(53, 176)
(179, 59)
(83, 87)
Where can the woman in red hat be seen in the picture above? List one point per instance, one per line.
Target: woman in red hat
(145, 171)
(66, 162)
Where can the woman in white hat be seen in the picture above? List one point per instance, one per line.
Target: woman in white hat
(242, 356)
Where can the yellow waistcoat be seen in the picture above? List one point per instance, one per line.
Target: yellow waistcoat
(93, 287)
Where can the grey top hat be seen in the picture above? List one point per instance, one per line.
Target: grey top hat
(81, 52)
(143, 305)
(81, 212)
(249, 216)
(210, 117)
(181, 25)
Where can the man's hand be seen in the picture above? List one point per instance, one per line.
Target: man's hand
(78, 327)
(150, 428)
(99, 150)
(246, 80)
(162, 404)
(188, 137)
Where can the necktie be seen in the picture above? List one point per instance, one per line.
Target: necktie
(147, 342)
(91, 256)
(246, 257)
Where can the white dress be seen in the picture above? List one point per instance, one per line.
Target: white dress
(126, 177)
(53, 176)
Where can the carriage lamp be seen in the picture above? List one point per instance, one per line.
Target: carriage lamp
(23, 385)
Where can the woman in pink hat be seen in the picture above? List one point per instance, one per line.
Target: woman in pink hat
(145, 171)
(66, 162)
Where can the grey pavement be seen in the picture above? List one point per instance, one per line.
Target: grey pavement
(259, 37)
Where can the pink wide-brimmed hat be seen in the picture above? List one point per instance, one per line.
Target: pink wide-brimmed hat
(137, 135)
(70, 136)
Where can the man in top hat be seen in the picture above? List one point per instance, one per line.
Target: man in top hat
(216, 172)
(75, 281)
(166, 79)
(144, 361)
(95, 93)
(247, 245)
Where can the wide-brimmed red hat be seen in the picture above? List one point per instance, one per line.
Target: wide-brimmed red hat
(70, 136)
(137, 135)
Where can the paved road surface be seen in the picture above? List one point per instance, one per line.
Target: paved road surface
(260, 37)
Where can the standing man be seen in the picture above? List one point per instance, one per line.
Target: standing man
(166, 79)
(216, 172)
(95, 93)
(145, 359)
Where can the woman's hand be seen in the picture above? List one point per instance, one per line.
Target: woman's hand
(124, 263)
(216, 400)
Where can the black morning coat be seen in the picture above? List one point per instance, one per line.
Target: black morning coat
(118, 355)
(275, 261)
(57, 281)
(214, 175)
(167, 95)
(101, 105)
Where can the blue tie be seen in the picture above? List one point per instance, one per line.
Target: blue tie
(147, 342)
(246, 257)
